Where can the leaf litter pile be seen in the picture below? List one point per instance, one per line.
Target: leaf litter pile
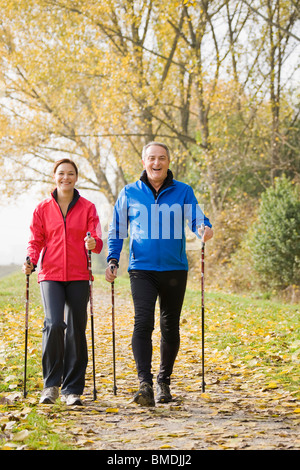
(246, 404)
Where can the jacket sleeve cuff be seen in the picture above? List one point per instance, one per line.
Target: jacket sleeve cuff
(99, 246)
(113, 261)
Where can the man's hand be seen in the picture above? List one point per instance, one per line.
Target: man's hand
(207, 235)
(111, 272)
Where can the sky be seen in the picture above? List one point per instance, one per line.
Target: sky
(14, 229)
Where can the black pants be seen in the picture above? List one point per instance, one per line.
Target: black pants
(65, 354)
(169, 287)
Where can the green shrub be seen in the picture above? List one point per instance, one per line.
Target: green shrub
(276, 236)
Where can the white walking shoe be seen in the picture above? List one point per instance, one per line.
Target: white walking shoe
(71, 399)
(49, 395)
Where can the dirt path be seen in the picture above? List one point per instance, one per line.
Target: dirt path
(234, 413)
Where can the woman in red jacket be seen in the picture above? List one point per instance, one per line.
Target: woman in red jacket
(58, 232)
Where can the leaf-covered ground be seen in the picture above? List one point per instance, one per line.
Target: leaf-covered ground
(251, 399)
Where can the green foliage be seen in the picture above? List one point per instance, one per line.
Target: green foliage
(276, 238)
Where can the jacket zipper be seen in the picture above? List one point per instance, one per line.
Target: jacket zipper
(65, 249)
(156, 197)
(64, 242)
(71, 205)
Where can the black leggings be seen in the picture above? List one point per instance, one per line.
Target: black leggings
(169, 287)
(64, 341)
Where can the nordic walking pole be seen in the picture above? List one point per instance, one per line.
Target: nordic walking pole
(113, 330)
(92, 318)
(26, 328)
(202, 304)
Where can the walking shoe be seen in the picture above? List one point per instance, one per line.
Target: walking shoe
(145, 395)
(163, 393)
(71, 399)
(49, 395)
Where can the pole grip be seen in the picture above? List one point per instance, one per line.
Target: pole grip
(112, 267)
(88, 234)
(28, 263)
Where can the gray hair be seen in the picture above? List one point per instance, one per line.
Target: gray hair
(159, 144)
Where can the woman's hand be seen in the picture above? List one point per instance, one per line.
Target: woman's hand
(27, 268)
(90, 243)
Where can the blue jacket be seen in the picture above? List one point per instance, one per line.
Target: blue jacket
(157, 224)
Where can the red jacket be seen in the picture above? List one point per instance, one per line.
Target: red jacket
(61, 240)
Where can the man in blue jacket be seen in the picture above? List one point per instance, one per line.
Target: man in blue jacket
(156, 207)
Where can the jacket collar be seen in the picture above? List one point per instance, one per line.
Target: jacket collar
(76, 196)
(168, 182)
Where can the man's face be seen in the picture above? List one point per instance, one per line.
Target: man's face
(156, 164)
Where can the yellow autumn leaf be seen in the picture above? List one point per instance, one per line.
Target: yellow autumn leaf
(206, 396)
(272, 385)
(112, 410)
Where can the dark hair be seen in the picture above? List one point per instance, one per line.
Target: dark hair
(65, 160)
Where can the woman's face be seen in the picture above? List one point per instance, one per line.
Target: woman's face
(65, 177)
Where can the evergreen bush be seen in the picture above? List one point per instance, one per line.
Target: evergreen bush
(275, 244)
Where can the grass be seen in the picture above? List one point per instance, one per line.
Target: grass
(254, 335)
(41, 432)
(261, 334)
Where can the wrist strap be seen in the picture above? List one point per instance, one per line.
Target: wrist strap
(114, 262)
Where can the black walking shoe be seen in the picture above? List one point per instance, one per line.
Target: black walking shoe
(145, 395)
(163, 393)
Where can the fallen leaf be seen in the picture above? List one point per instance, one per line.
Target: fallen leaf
(112, 410)
(20, 436)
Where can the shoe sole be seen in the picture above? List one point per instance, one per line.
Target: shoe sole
(76, 403)
(140, 400)
(164, 400)
(47, 401)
